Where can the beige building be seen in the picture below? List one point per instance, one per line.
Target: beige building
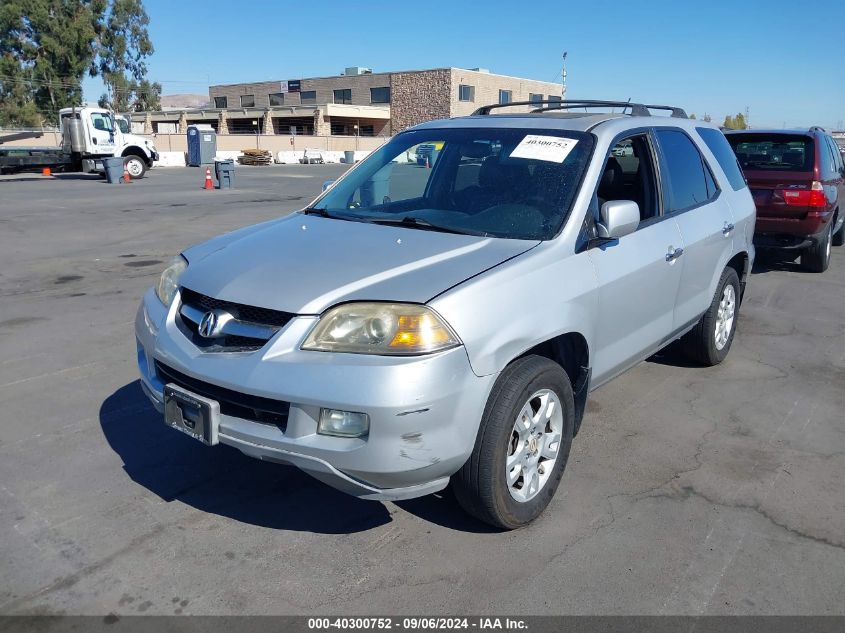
(358, 103)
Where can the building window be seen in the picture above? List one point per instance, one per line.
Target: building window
(308, 97)
(247, 101)
(343, 96)
(277, 98)
(221, 102)
(534, 98)
(380, 95)
(466, 93)
(505, 96)
(554, 99)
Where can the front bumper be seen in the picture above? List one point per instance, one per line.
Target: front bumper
(424, 411)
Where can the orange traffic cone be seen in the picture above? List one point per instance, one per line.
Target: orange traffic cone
(427, 164)
(208, 183)
(126, 177)
(46, 172)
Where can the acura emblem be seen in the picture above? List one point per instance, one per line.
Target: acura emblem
(208, 324)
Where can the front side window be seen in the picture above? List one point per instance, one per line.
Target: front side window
(773, 152)
(629, 174)
(682, 171)
(466, 93)
(101, 122)
(505, 96)
(343, 96)
(718, 144)
(509, 183)
(308, 97)
(247, 101)
(277, 98)
(380, 95)
(221, 102)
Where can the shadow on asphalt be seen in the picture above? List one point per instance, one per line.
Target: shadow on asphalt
(774, 261)
(221, 480)
(673, 356)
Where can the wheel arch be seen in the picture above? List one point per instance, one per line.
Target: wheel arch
(741, 263)
(134, 150)
(571, 351)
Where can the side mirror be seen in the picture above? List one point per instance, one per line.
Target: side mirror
(618, 219)
(327, 184)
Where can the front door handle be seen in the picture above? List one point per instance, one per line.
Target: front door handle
(674, 253)
(726, 230)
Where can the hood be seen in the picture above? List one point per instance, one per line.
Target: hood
(305, 264)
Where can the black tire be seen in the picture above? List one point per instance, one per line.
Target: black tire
(481, 485)
(700, 342)
(139, 166)
(838, 238)
(816, 259)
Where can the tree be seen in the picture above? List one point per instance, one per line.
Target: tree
(123, 44)
(45, 47)
(707, 118)
(692, 116)
(735, 122)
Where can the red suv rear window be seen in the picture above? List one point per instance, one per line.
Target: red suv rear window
(773, 152)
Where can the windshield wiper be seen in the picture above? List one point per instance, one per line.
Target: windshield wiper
(315, 211)
(419, 223)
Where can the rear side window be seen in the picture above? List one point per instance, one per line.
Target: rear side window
(682, 171)
(718, 144)
(773, 152)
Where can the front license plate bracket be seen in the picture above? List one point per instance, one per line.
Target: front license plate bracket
(193, 415)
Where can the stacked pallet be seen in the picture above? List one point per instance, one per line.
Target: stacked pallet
(255, 157)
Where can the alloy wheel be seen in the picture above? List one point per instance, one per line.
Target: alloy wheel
(725, 317)
(534, 445)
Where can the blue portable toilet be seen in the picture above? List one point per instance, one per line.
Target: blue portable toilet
(202, 145)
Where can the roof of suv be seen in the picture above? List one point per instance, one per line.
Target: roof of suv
(778, 131)
(555, 115)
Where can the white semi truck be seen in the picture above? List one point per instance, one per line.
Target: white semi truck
(88, 136)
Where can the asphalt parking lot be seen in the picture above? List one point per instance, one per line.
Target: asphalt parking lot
(689, 490)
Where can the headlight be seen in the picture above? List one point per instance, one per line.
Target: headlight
(169, 282)
(381, 328)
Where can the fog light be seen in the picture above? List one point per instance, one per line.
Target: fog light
(343, 423)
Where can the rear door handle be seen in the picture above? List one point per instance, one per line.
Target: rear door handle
(674, 253)
(726, 230)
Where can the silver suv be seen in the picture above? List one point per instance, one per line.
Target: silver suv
(421, 324)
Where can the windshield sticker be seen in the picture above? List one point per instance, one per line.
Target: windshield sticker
(553, 149)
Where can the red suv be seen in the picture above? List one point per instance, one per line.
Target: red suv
(797, 179)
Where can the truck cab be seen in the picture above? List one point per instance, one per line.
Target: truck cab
(92, 134)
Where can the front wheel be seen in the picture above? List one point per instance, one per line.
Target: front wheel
(522, 445)
(135, 166)
(710, 340)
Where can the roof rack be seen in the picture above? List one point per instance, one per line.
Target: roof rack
(636, 109)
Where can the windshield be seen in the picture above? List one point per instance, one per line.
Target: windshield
(773, 152)
(511, 183)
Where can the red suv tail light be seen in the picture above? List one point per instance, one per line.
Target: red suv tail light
(812, 197)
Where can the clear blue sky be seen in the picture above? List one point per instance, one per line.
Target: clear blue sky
(783, 59)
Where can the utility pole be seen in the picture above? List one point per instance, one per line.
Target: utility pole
(563, 76)
(746, 117)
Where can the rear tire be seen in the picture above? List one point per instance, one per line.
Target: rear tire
(135, 165)
(710, 340)
(522, 445)
(838, 238)
(816, 259)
